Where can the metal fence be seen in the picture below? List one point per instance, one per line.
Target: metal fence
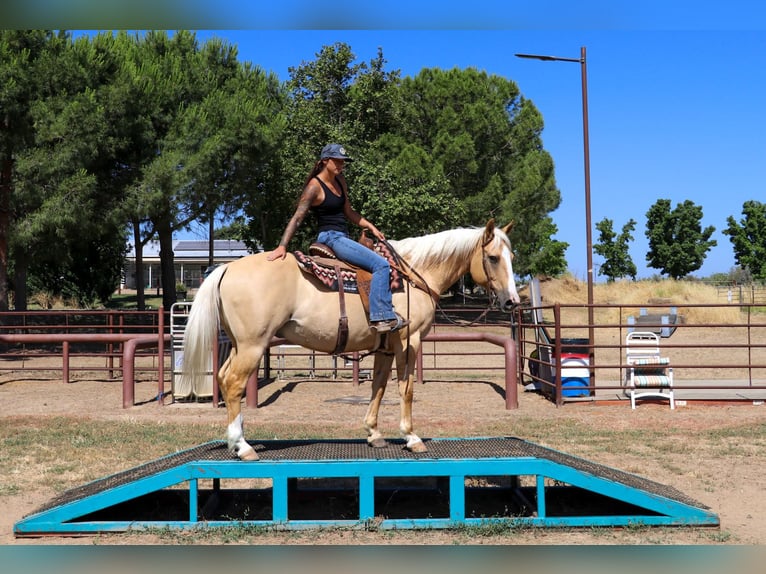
(89, 341)
(442, 355)
(718, 351)
(751, 294)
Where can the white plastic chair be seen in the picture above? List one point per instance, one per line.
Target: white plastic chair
(649, 373)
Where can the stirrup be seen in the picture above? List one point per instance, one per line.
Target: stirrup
(390, 325)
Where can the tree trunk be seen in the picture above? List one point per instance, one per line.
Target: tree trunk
(211, 243)
(139, 248)
(5, 228)
(167, 270)
(21, 265)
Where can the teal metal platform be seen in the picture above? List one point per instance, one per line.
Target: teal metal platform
(345, 483)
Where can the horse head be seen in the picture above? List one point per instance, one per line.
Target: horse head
(492, 265)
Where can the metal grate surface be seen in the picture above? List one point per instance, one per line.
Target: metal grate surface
(343, 450)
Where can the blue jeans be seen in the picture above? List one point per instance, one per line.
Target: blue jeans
(353, 252)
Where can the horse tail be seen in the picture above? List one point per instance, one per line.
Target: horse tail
(202, 328)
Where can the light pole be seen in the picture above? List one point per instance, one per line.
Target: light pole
(586, 155)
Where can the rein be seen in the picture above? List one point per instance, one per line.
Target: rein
(423, 286)
(401, 263)
(492, 297)
(408, 271)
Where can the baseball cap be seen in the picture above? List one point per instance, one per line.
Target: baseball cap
(334, 151)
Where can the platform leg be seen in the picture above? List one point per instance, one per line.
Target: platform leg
(366, 497)
(457, 498)
(279, 499)
(541, 512)
(193, 500)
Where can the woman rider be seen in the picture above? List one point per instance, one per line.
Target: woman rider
(325, 193)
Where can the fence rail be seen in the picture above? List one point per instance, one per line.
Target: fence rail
(89, 340)
(751, 294)
(718, 351)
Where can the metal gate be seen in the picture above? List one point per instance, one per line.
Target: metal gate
(179, 314)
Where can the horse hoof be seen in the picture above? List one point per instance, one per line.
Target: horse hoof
(378, 443)
(417, 447)
(248, 454)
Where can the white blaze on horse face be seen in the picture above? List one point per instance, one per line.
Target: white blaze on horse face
(512, 294)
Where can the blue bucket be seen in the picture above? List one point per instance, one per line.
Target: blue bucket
(574, 387)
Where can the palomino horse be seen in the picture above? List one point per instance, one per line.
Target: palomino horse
(255, 299)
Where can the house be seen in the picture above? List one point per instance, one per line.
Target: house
(190, 259)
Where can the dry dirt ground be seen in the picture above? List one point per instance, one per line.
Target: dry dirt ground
(706, 451)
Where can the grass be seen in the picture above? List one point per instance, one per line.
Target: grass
(58, 452)
(68, 451)
(129, 301)
(126, 301)
(53, 444)
(56, 442)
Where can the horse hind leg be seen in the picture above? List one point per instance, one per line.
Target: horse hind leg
(232, 379)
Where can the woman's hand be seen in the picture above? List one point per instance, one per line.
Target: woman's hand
(375, 232)
(279, 253)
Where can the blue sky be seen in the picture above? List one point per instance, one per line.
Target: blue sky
(676, 88)
(672, 114)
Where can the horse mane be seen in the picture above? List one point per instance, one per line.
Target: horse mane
(436, 248)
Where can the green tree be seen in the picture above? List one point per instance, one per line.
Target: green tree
(145, 129)
(331, 99)
(614, 249)
(748, 238)
(533, 196)
(228, 140)
(21, 86)
(484, 140)
(677, 243)
(214, 125)
(235, 230)
(442, 149)
(403, 199)
(67, 237)
(464, 118)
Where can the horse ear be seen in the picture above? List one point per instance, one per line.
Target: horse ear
(507, 229)
(489, 231)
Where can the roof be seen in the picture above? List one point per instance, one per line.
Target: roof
(195, 249)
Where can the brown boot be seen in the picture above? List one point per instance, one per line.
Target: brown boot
(390, 325)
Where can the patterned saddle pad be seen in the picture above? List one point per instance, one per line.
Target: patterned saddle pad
(323, 269)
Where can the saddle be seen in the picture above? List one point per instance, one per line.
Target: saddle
(322, 263)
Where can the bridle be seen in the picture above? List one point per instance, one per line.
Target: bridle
(485, 267)
(490, 287)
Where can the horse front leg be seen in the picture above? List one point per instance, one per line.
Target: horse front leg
(381, 373)
(405, 367)
(232, 379)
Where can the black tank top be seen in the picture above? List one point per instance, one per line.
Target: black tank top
(329, 213)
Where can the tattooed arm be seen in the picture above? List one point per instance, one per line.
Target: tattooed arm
(304, 204)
